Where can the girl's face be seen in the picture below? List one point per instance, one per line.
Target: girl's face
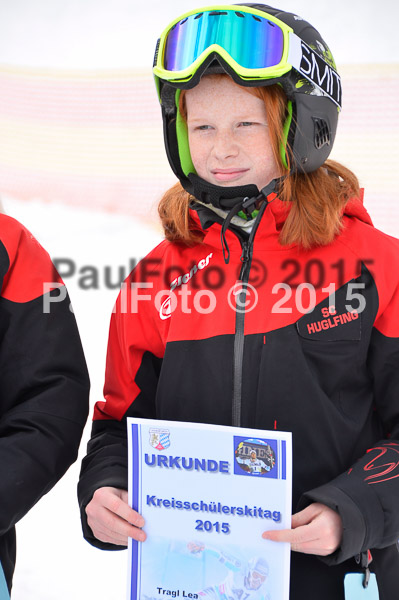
(228, 134)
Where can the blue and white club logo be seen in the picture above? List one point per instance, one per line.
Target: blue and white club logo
(159, 438)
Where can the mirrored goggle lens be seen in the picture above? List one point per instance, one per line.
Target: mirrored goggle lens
(253, 42)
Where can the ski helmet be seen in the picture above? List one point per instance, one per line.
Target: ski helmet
(256, 45)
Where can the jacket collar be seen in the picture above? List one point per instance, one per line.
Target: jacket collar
(272, 222)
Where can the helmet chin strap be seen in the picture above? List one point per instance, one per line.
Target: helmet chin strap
(248, 205)
(225, 198)
(220, 197)
(245, 198)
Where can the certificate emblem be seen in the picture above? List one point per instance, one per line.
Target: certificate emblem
(159, 438)
(254, 457)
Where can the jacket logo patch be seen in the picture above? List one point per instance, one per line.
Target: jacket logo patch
(385, 465)
(165, 311)
(331, 320)
(201, 264)
(170, 303)
(336, 318)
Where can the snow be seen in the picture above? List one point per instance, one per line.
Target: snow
(53, 560)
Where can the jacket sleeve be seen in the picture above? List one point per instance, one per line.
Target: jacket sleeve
(367, 495)
(43, 376)
(134, 359)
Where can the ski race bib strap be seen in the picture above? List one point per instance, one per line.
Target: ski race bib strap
(255, 44)
(354, 589)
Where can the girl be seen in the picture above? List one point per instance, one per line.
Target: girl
(272, 303)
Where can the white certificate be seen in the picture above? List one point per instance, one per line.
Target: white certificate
(207, 493)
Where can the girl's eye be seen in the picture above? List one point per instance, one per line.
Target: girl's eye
(203, 127)
(246, 123)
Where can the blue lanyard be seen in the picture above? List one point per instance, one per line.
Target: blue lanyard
(4, 595)
(354, 589)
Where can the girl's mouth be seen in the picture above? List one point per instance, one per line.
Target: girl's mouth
(228, 174)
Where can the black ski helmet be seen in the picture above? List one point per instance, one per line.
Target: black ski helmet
(312, 87)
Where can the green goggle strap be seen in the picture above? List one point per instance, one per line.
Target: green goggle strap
(182, 140)
(286, 128)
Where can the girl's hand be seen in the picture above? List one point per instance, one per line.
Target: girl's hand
(111, 519)
(315, 530)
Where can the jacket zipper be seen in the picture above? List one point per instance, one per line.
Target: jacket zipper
(246, 256)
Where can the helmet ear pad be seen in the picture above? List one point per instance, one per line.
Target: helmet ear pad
(318, 118)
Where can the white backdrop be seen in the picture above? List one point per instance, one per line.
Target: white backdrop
(53, 562)
(98, 33)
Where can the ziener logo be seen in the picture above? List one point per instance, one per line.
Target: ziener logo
(168, 306)
(201, 264)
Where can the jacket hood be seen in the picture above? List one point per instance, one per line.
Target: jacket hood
(355, 208)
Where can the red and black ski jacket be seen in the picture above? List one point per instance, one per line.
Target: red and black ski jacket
(43, 381)
(311, 347)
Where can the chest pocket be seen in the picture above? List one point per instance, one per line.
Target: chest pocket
(337, 318)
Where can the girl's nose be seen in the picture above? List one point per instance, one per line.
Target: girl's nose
(224, 145)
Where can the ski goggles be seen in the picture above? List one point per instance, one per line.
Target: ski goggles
(254, 44)
(261, 577)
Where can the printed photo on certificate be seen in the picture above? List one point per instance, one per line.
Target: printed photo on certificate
(207, 493)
